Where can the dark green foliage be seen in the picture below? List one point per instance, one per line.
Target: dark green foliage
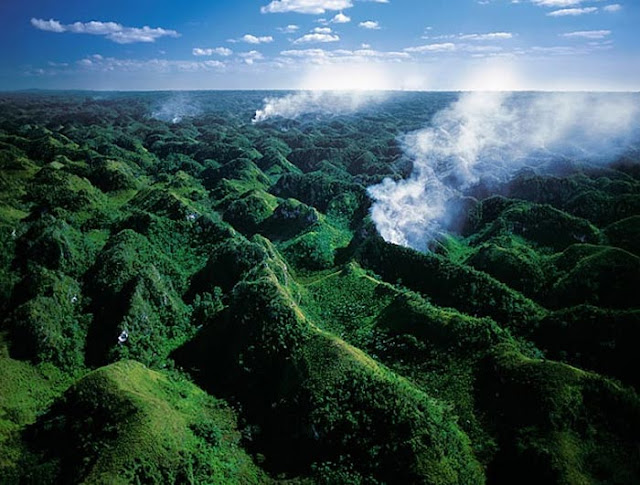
(54, 188)
(288, 219)
(248, 212)
(242, 170)
(242, 255)
(555, 424)
(55, 244)
(389, 429)
(308, 159)
(603, 198)
(132, 289)
(315, 189)
(448, 330)
(487, 211)
(109, 175)
(354, 318)
(593, 338)
(164, 202)
(206, 306)
(438, 349)
(609, 277)
(50, 326)
(312, 250)
(517, 266)
(230, 261)
(625, 234)
(277, 360)
(448, 284)
(8, 278)
(543, 225)
(273, 162)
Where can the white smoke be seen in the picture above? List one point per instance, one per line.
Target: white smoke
(297, 104)
(488, 137)
(176, 108)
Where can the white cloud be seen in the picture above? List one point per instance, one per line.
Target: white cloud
(458, 50)
(370, 24)
(145, 34)
(111, 64)
(370, 53)
(313, 7)
(317, 37)
(557, 50)
(444, 47)
(213, 64)
(588, 34)
(110, 30)
(221, 51)
(322, 30)
(482, 49)
(556, 3)
(289, 29)
(572, 12)
(341, 18)
(48, 25)
(251, 56)
(578, 49)
(488, 36)
(344, 56)
(614, 7)
(313, 55)
(252, 39)
(94, 28)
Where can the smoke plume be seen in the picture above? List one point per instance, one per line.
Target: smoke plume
(176, 108)
(487, 138)
(297, 104)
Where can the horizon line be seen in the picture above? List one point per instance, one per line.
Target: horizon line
(66, 90)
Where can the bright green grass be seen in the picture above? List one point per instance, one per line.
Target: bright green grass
(143, 426)
(26, 391)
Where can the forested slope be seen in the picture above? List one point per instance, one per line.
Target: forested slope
(208, 301)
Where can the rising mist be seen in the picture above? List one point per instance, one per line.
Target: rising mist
(297, 104)
(175, 108)
(487, 138)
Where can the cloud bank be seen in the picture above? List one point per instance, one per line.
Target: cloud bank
(370, 25)
(110, 30)
(221, 51)
(312, 7)
(573, 12)
(488, 137)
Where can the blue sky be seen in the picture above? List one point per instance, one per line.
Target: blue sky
(320, 44)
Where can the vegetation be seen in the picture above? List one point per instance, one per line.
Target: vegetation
(208, 301)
